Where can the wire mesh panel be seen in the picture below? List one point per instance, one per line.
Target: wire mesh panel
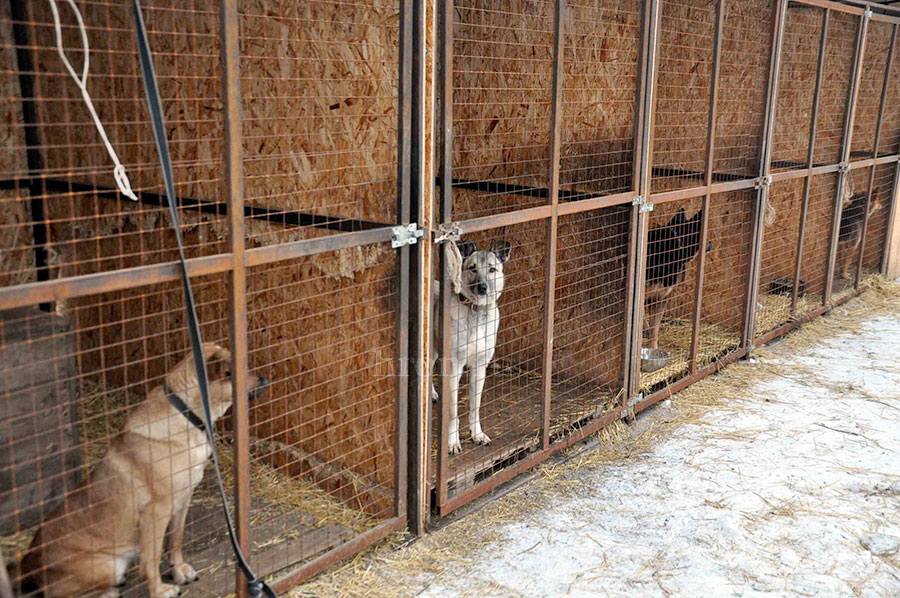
(322, 331)
(890, 128)
(850, 233)
(816, 239)
(744, 68)
(683, 80)
(779, 253)
(501, 349)
(319, 88)
(879, 213)
(502, 68)
(588, 318)
(673, 244)
(96, 461)
(600, 69)
(865, 122)
(60, 199)
(840, 50)
(796, 86)
(725, 275)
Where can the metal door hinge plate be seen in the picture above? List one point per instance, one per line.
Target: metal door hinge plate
(641, 201)
(406, 235)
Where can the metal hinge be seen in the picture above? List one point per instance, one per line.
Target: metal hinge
(447, 232)
(868, 13)
(763, 182)
(641, 200)
(844, 167)
(628, 411)
(406, 235)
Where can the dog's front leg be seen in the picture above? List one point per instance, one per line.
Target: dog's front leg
(454, 445)
(153, 522)
(476, 385)
(182, 572)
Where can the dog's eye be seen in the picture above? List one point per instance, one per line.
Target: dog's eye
(493, 269)
(228, 373)
(472, 268)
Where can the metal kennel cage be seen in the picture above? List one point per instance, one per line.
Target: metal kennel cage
(725, 168)
(290, 135)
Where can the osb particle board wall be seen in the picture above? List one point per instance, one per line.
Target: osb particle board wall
(320, 125)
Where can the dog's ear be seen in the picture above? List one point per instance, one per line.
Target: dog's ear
(678, 218)
(501, 249)
(466, 248)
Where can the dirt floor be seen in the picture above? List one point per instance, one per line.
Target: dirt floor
(779, 477)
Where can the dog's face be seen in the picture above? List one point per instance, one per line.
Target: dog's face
(183, 381)
(482, 271)
(688, 233)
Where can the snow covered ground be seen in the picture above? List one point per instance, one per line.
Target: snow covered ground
(773, 494)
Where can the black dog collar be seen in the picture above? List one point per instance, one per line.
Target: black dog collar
(177, 403)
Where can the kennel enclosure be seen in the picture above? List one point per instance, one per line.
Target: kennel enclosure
(721, 170)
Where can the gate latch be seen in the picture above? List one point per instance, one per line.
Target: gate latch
(406, 235)
(763, 182)
(641, 200)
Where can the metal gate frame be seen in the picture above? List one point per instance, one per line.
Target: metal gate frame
(641, 196)
(235, 263)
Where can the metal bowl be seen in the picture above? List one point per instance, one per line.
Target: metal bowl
(654, 359)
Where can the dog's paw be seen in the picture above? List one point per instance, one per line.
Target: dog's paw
(184, 574)
(481, 438)
(455, 447)
(167, 591)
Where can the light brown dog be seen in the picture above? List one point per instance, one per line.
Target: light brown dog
(141, 486)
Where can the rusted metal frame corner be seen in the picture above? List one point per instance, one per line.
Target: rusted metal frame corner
(879, 121)
(765, 163)
(40, 228)
(237, 277)
(810, 153)
(710, 156)
(337, 554)
(418, 397)
(404, 182)
(652, 16)
(446, 208)
(846, 141)
(858, 7)
(559, 18)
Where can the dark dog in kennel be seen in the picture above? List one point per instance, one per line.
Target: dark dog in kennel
(670, 248)
(141, 486)
(853, 216)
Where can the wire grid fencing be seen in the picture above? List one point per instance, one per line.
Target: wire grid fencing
(93, 329)
(694, 176)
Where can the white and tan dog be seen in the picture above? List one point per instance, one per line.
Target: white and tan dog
(141, 486)
(474, 320)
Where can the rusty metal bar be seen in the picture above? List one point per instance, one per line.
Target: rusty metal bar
(40, 227)
(446, 207)
(237, 277)
(884, 89)
(286, 251)
(710, 154)
(559, 16)
(596, 203)
(404, 175)
(653, 16)
(847, 139)
(764, 167)
(889, 229)
(417, 395)
(810, 152)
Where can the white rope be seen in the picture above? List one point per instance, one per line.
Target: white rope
(119, 170)
(454, 266)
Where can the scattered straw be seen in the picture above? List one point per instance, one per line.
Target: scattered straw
(675, 336)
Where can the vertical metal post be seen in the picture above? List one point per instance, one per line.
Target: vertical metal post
(40, 227)
(889, 232)
(404, 172)
(416, 396)
(234, 191)
(884, 88)
(550, 256)
(710, 155)
(765, 161)
(640, 220)
(810, 154)
(846, 140)
(446, 159)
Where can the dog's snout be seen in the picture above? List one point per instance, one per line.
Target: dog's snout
(481, 288)
(260, 389)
